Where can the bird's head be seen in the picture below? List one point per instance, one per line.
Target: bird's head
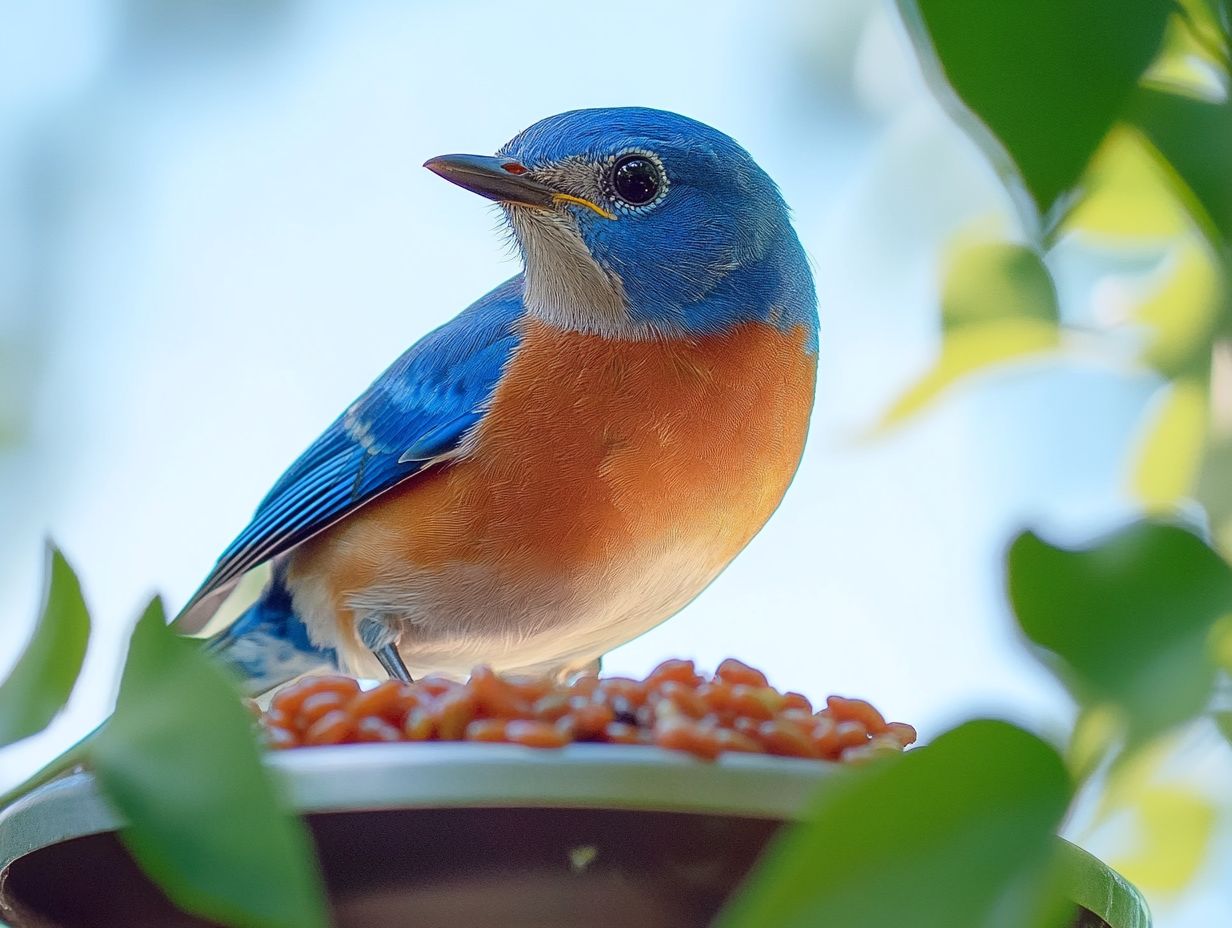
(639, 223)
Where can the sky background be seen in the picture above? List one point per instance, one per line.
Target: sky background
(215, 231)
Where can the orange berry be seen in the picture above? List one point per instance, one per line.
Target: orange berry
(373, 729)
(436, 685)
(730, 740)
(612, 688)
(683, 698)
(797, 717)
(674, 707)
(746, 725)
(755, 702)
(289, 699)
(786, 740)
(622, 733)
(797, 701)
(486, 730)
(333, 727)
(717, 696)
(901, 732)
(681, 734)
(857, 710)
(452, 712)
(534, 734)
(681, 671)
(551, 707)
(389, 700)
(278, 737)
(494, 698)
(419, 725)
(316, 705)
(530, 687)
(588, 722)
(734, 671)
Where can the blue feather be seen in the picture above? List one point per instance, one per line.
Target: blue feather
(418, 410)
(269, 644)
(716, 251)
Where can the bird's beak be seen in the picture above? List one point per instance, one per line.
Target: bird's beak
(502, 179)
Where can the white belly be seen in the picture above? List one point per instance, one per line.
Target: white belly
(465, 615)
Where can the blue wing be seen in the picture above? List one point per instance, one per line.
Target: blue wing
(415, 412)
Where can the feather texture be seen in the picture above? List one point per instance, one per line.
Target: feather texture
(417, 412)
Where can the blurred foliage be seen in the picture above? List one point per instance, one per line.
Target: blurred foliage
(179, 761)
(1126, 622)
(41, 682)
(1127, 198)
(999, 302)
(1047, 77)
(1169, 816)
(1171, 445)
(1114, 116)
(1141, 163)
(1172, 122)
(958, 833)
(1174, 818)
(1122, 112)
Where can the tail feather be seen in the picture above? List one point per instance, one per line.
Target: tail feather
(269, 644)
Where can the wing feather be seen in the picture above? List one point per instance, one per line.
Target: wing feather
(418, 411)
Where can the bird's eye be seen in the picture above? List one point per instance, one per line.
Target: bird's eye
(636, 179)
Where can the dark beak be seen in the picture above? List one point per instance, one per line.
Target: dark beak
(500, 179)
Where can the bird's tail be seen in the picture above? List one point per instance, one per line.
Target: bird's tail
(269, 644)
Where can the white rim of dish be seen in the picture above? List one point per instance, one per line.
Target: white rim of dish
(375, 777)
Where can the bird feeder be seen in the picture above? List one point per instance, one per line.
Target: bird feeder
(478, 835)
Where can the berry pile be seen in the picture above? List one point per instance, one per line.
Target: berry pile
(675, 707)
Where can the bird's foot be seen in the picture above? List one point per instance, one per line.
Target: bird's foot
(379, 638)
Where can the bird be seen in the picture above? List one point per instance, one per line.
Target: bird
(573, 458)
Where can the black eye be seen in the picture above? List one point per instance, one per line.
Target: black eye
(636, 180)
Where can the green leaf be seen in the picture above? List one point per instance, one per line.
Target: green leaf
(1207, 22)
(999, 304)
(1194, 137)
(1127, 195)
(1214, 490)
(205, 821)
(955, 833)
(1169, 458)
(43, 679)
(1183, 313)
(1126, 622)
(1223, 720)
(997, 280)
(1047, 77)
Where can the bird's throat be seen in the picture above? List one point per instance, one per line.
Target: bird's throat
(565, 286)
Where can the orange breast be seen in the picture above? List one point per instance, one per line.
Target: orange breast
(593, 453)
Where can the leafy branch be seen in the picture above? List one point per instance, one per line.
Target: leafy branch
(1067, 100)
(179, 761)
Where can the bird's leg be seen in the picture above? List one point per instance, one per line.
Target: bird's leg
(379, 638)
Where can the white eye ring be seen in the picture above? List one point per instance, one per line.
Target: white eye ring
(634, 180)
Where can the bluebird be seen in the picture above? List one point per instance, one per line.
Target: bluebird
(574, 457)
